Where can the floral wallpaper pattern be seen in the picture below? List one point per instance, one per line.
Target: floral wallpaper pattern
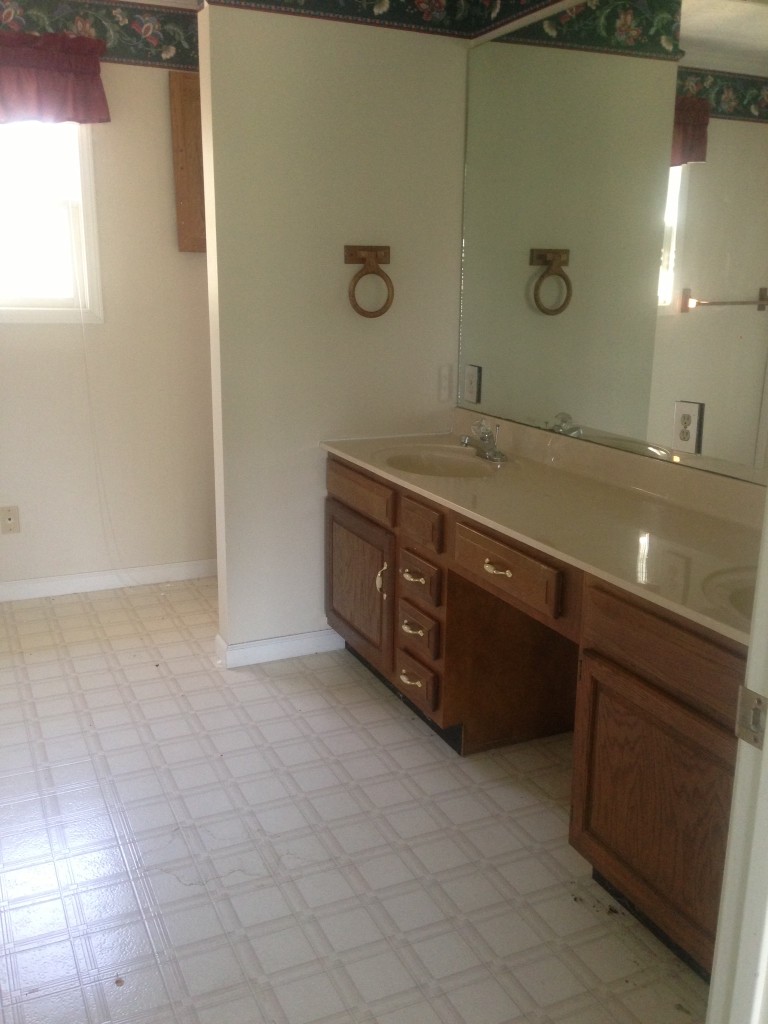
(638, 28)
(134, 34)
(167, 37)
(736, 97)
(465, 18)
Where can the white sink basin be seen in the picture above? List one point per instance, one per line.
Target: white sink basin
(732, 588)
(439, 460)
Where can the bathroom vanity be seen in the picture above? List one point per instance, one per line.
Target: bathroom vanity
(523, 600)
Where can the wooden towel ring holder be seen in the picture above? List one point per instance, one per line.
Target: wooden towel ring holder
(554, 260)
(371, 256)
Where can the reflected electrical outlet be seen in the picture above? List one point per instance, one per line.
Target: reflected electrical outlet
(689, 427)
(473, 383)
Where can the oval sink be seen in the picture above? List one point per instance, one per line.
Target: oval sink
(439, 460)
(732, 588)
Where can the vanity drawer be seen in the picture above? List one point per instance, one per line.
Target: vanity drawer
(419, 684)
(421, 525)
(417, 631)
(373, 499)
(702, 672)
(520, 576)
(420, 580)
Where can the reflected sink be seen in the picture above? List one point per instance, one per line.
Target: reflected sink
(439, 460)
(742, 599)
(732, 589)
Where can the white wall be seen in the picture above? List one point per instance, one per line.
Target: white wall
(322, 134)
(570, 150)
(718, 355)
(105, 429)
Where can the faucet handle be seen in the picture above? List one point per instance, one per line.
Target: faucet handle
(481, 430)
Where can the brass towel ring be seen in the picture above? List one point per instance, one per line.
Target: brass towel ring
(370, 256)
(554, 260)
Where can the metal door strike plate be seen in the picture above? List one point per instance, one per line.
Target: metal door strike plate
(750, 717)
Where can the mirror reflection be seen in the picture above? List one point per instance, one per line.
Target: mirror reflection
(570, 149)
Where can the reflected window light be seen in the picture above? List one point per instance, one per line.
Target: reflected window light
(643, 550)
(671, 216)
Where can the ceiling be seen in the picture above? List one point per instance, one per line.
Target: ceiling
(725, 35)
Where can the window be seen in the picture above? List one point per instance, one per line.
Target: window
(48, 251)
(671, 216)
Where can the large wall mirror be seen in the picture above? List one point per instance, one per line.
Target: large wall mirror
(570, 149)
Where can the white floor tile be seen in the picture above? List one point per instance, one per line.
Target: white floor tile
(186, 844)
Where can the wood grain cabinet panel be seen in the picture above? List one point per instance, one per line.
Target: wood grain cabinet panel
(529, 580)
(651, 801)
(187, 142)
(507, 677)
(418, 683)
(420, 581)
(417, 631)
(364, 494)
(421, 524)
(359, 583)
(700, 670)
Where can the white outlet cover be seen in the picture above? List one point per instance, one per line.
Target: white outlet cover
(686, 435)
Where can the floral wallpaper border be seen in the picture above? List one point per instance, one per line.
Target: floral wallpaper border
(152, 35)
(637, 28)
(730, 96)
(167, 37)
(466, 19)
(134, 33)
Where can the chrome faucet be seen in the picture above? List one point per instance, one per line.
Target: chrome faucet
(564, 425)
(485, 441)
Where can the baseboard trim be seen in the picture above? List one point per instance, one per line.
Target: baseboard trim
(83, 582)
(277, 648)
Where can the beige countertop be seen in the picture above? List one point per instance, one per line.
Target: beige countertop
(698, 565)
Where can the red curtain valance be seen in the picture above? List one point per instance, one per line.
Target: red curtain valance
(689, 139)
(52, 77)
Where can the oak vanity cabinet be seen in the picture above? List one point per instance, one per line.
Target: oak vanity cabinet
(488, 657)
(512, 631)
(420, 620)
(495, 643)
(654, 756)
(360, 562)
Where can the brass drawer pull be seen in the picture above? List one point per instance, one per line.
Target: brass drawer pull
(380, 581)
(413, 579)
(491, 568)
(405, 678)
(411, 630)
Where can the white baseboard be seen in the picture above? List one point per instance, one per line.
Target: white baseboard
(83, 582)
(277, 648)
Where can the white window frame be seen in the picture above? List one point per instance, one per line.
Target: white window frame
(669, 249)
(86, 306)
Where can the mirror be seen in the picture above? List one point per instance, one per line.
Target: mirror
(569, 149)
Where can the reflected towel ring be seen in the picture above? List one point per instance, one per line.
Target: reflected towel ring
(371, 256)
(554, 260)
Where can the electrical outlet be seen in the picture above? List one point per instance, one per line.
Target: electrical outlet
(9, 519)
(473, 383)
(689, 427)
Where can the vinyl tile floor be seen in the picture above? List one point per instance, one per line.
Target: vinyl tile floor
(282, 844)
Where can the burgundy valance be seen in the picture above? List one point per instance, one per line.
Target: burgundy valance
(689, 139)
(52, 77)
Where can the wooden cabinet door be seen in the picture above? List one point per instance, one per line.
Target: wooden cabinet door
(187, 137)
(651, 801)
(359, 583)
